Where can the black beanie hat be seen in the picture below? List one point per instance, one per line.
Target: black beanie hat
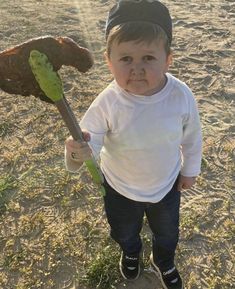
(140, 10)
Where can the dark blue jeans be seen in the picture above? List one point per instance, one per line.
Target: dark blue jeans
(125, 217)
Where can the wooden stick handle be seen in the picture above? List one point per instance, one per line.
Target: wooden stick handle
(69, 118)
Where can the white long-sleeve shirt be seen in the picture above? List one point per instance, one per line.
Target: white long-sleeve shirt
(145, 141)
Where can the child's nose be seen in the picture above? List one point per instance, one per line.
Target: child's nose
(137, 68)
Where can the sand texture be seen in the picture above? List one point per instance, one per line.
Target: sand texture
(53, 231)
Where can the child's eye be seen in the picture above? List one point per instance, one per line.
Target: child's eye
(126, 59)
(149, 58)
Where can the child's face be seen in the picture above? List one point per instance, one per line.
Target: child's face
(139, 67)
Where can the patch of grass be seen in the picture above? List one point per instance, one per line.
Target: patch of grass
(189, 223)
(192, 281)
(53, 233)
(102, 272)
(5, 128)
(204, 164)
(7, 184)
(225, 232)
(214, 276)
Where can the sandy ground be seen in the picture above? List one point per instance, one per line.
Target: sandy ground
(52, 224)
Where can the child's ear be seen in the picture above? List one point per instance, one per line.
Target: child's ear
(108, 60)
(106, 57)
(169, 59)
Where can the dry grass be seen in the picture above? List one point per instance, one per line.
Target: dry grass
(53, 232)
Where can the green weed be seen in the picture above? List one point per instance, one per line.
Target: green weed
(102, 272)
(7, 184)
(5, 128)
(189, 224)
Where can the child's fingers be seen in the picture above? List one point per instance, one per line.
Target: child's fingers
(86, 136)
(72, 143)
(179, 187)
(186, 186)
(78, 151)
(81, 155)
(79, 147)
(185, 183)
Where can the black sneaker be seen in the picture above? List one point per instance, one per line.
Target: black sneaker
(129, 266)
(170, 278)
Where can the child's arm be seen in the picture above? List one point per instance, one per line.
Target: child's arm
(191, 148)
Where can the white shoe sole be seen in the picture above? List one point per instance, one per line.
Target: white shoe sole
(120, 268)
(159, 272)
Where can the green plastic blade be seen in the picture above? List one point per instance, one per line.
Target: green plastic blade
(48, 80)
(96, 174)
(94, 171)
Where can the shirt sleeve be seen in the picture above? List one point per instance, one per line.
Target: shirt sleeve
(192, 142)
(95, 121)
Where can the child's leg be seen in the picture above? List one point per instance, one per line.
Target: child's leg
(125, 218)
(163, 218)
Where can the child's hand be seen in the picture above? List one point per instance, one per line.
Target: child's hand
(78, 151)
(185, 183)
